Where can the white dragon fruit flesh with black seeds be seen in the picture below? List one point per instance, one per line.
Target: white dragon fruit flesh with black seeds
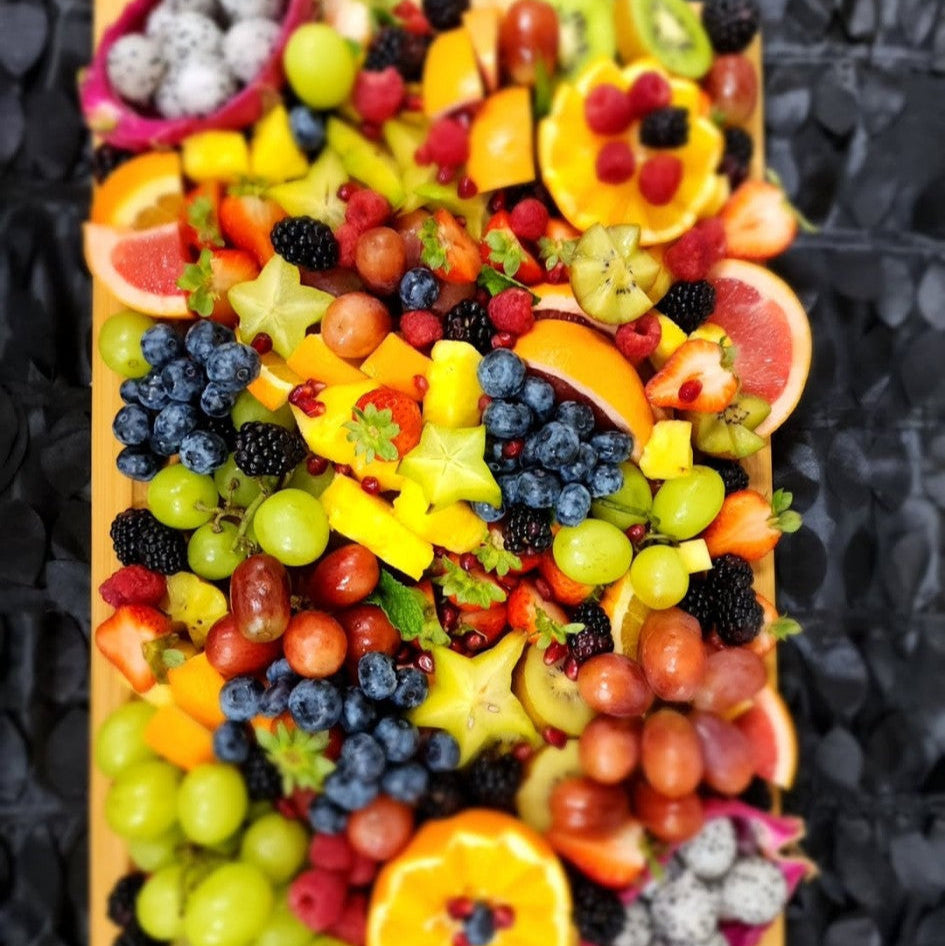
(712, 851)
(193, 35)
(135, 67)
(684, 910)
(163, 17)
(754, 892)
(247, 46)
(237, 10)
(198, 86)
(637, 929)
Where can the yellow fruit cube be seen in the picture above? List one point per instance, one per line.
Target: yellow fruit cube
(671, 337)
(370, 520)
(215, 156)
(275, 382)
(455, 527)
(451, 76)
(452, 399)
(721, 191)
(668, 453)
(314, 359)
(711, 333)
(695, 555)
(273, 154)
(397, 364)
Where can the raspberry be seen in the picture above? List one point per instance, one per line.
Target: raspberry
(688, 257)
(317, 898)
(133, 584)
(331, 852)
(447, 143)
(528, 219)
(638, 339)
(366, 209)
(377, 95)
(511, 311)
(660, 177)
(363, 871)
(713, 231)
(351, 926)
(649, 92)
(347, 236)
(421, 328)
(607, 110)
(615, 163)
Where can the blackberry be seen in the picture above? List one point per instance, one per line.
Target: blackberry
(665, 128)
(493, 778)
(413, 55)
(445, 14)
(385, 49)
(469, 322)
(527, 528)
(700, 603)
(126, 530)
(444, 796)
(596, 638)
(163, 549)
(305, 241)
(222, 427)
(732, 472)
(263, 780)
(738, 617)
(730, 571)
(598, 912)
(133, 935)
(268, 449)
(105, 158)
(688, 304)
(736, 158)
(731, 24)
(121, 900)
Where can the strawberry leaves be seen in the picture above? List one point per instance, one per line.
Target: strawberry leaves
(202, 217)
(494, 558)
(372, 432)
(785, 518)
(467, 588)
(432, 249)
(549, 630)
(196, 281)
(504, 251)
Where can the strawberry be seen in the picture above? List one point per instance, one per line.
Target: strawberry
(469, 590)
(201, 224)
(501, 249)
(614, 858)
(247, 220)
(121, 639)
(697, 377)
(448, 249)
(541, 619)
(565, 590)
(490, 622)
(759, 221)
(775, 628)
(749, 525)
(208, 280)
(386, 424)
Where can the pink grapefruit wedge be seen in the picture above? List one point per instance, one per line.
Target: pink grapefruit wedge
(771, 334)
(770, 730)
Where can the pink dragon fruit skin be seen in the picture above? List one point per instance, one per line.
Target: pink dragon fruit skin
(120, 125)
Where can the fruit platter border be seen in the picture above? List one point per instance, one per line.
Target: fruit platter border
(112, 492)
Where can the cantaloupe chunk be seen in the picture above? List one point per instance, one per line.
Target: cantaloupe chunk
(179, 738)
(195, 686)
(314, 359)
(451, 74)
(397, 364)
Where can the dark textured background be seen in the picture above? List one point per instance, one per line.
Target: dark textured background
(855, 92)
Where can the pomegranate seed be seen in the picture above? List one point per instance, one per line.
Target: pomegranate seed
(571, 668)
(413, 103)
(450, 617)
(445, 174)
(342, 469)
(371, 131)
(503, 340)
(475, 641)
(461, 220)
(512, 449)
(459, 908)
(543, 588)
(690, 390)
(346, 190)
(458, 646)
(523, 751)
(467, 561)
(370, 485)
(497, 202)
(554, 737)
(555, 652)
(460, 939)
(261, 343)
(405, 654)
(484, 402)
(425, 662)
(636, 533)
(316, 465)
(422, 156)
(466, 187)
(503, 916)
(421, 384)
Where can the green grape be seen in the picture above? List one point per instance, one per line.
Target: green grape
(630, 505)
(119, 343)
(284, 928)
(229, 846)
(229, 908)
(152, 855)
(180, 498)
(686, 504)
(292, 527)
(212, 802)
(160, 904)
(314, 485)
(212, 552)
(247, 408)
(319, 65)
(594, 552)
(659, 576)
(142, 801)
(120, 739)
(276, 845)
(236, 487)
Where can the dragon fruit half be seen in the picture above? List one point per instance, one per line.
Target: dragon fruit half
(121, 125)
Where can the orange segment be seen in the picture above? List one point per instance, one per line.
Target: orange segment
(195, 686)
(142, 192)
(275, 382)
(500, 141)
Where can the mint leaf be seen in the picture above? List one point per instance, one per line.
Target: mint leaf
(432, 251)
(504, 251)
(457, 583)
(494, 558)
(495, 282)
(409, 611)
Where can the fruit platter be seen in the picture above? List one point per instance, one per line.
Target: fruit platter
(435, 364)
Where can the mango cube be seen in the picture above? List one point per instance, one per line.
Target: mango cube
(671, 337)
(452, 399)
(398, 365)
(313, 359)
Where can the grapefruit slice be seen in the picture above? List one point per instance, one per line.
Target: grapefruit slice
(140, 193)
(771, 334)
(770, 730)
(584, 364)
(140, 268)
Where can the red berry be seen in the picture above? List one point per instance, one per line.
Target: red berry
(466, 187)
(363, 871)
(503, 916)
(690, 390)
(316, 465)
(261, 343)
(447, 143)
(636, 533)
(607, 110)
(460, 908)
(377, 96)
(528, 219)
(331, 852)
(371, 485)
(688, 257)
(351, 926)
(638, 339)
(615, 163)
(660, 177)
(649, 92)
(421, 328)
(133, 584)
(346, 190)
(503, 340)
(445, 174)
(421, 384)
(366, 209)
(347, 236)
(713, 233)
(317, 898)
(511, 311)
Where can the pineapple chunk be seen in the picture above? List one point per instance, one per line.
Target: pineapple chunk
(273, 154)
(455, 527)
(397, 364)
(711, 333)
(695, 555)
(453, 397)
(671, 337)
(668, 452)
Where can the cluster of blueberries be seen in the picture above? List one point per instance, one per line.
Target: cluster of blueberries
(544, 454)
(179, 406)
(381, 751)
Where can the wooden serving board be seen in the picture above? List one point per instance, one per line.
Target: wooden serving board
(112, 492)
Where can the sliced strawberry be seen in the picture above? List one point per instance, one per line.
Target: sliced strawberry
(201, 224)
(502, 250)
(121, 639)
(696, 378)
(386, 424)
(565, 590)
(490, 622)
(759, 221)
(749, 525)
(530, 612)
(448, 249)
(613, 858)
(209, 279)
(247, 220)
(470, 590)
(776, 627)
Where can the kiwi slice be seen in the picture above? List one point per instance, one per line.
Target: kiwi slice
(667, 30)
(586, 31)
(731, 433)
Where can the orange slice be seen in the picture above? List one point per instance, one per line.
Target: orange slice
(275, 382)
(143, 192)
(483, 855)
(770, 730)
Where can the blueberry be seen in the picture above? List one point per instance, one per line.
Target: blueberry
(215, 402)
(183, 380)
(497, 461)
(129, 390)
(501, 373)
(558, 445)
(479, 926)
(487, 512)
(406, 783)
(172, 424)
(203, 336)
(539, 395)
(578, 470)
(231, 743)
(315, 705)
(132, 425)
(275, 700)
(160, 344)
(509, 487)
(604, 480)
(280, 668)
(151, 392)
(376, 675)
(412, 688)
(612, 446)
(203, 451)
(359, 713)
(137, 463)
(419, 288)
(326, 817)
(233, 366)
(308, 129)
(507, 419)
(362, 757)
(538, 489)
(576, 415)
(239, 698)
(442, 752)
(398, 737)
(573, 505)
(529, 455)
(348, 792)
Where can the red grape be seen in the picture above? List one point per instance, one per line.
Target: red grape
(609, 749)
(670, 754)
(581, 804)
(315, 644)
(732, 84)
(355, 324)
(670, 819)
(259, 598)
(731, 676)
(368, 628)
(233, 655)
(672, 654)
(615, 685)
(528, 33)
(381, 258)
(381, 829)
(343, 577)
(729, 762)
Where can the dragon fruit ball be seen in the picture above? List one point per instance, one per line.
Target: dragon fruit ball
(637, 928)
(197, 86)
(247, 46)
(754, 892)
(252, 9)
(135, 67)
(193, 34)
(684, 910)
(164, 16)
(712, 851)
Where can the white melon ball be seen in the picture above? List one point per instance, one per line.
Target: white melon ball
(135, 67)
(247, 46)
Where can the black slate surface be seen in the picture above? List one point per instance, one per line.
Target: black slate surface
(857, 132)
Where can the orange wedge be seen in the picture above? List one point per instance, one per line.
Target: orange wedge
(275, 382)
(143, 192)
